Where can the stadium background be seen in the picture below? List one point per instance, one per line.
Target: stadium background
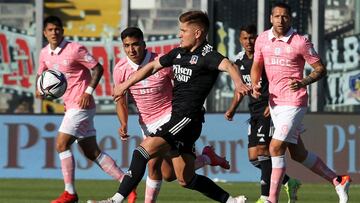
(28, 126)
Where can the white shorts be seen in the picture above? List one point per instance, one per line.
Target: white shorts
(79, 123)
(151, 128)
(287, 122)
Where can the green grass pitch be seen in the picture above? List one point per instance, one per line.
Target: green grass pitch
(42, 191)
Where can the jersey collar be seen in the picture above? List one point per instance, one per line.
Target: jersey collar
(58, 49)
(143, 63)
(285, 38)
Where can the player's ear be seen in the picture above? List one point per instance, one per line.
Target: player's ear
(198, 33)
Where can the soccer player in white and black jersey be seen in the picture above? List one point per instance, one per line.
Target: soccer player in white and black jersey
(259, 133)
(196, 67)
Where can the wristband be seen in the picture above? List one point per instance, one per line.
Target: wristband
(89, 90)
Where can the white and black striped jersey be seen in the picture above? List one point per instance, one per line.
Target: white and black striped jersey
(194, 75)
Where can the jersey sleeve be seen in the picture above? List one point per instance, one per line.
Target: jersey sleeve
(308, 52)
(118, 75)
(167, 59)
(258, 56)
(42, 66)
(213, 60)
(85, 58)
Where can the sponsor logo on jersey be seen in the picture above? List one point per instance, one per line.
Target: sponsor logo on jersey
(178, 56)
(194, 59)
(181, 73)
(277, 61)
(206, 49)
(129, 173)
(288, 49)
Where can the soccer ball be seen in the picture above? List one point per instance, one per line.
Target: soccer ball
(52, 84)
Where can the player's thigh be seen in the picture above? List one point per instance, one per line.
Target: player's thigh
(181, 134)
(155, 146)
(259, 136)
(252, 153)
(90, 147)
(288, 122)
(79, 123)
(184, 166)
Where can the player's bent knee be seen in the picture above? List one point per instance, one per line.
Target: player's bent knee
(262, 150)
(61, 147)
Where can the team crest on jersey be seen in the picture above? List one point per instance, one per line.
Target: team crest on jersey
(277, 51)
(288, 50)
(88, 58)
(194, 59)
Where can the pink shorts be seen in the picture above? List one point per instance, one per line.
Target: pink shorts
(287, 122)
(79, 123)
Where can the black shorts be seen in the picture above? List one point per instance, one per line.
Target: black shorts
(181, 133)
(260, 131)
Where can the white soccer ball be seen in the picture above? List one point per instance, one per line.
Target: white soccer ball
(52, 84)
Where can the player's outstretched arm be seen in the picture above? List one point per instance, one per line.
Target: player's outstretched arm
(229, 114)
(255, 74)
(142, 73)
(228, 66)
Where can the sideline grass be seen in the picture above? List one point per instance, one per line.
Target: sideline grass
(42, 191)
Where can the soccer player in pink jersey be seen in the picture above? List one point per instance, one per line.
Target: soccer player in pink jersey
(152, 97)
(283, 53)
(76, 63)
(260, 124)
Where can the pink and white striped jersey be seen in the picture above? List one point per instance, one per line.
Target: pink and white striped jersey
(284, 59)
(75, 62)
(153, 95)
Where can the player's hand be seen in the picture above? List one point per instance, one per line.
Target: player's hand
(229, 115)
(39, 95)
(119, 91)
(123, 132)
(242, 89)
(84, 100)
(256, 91)
(295, 85)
